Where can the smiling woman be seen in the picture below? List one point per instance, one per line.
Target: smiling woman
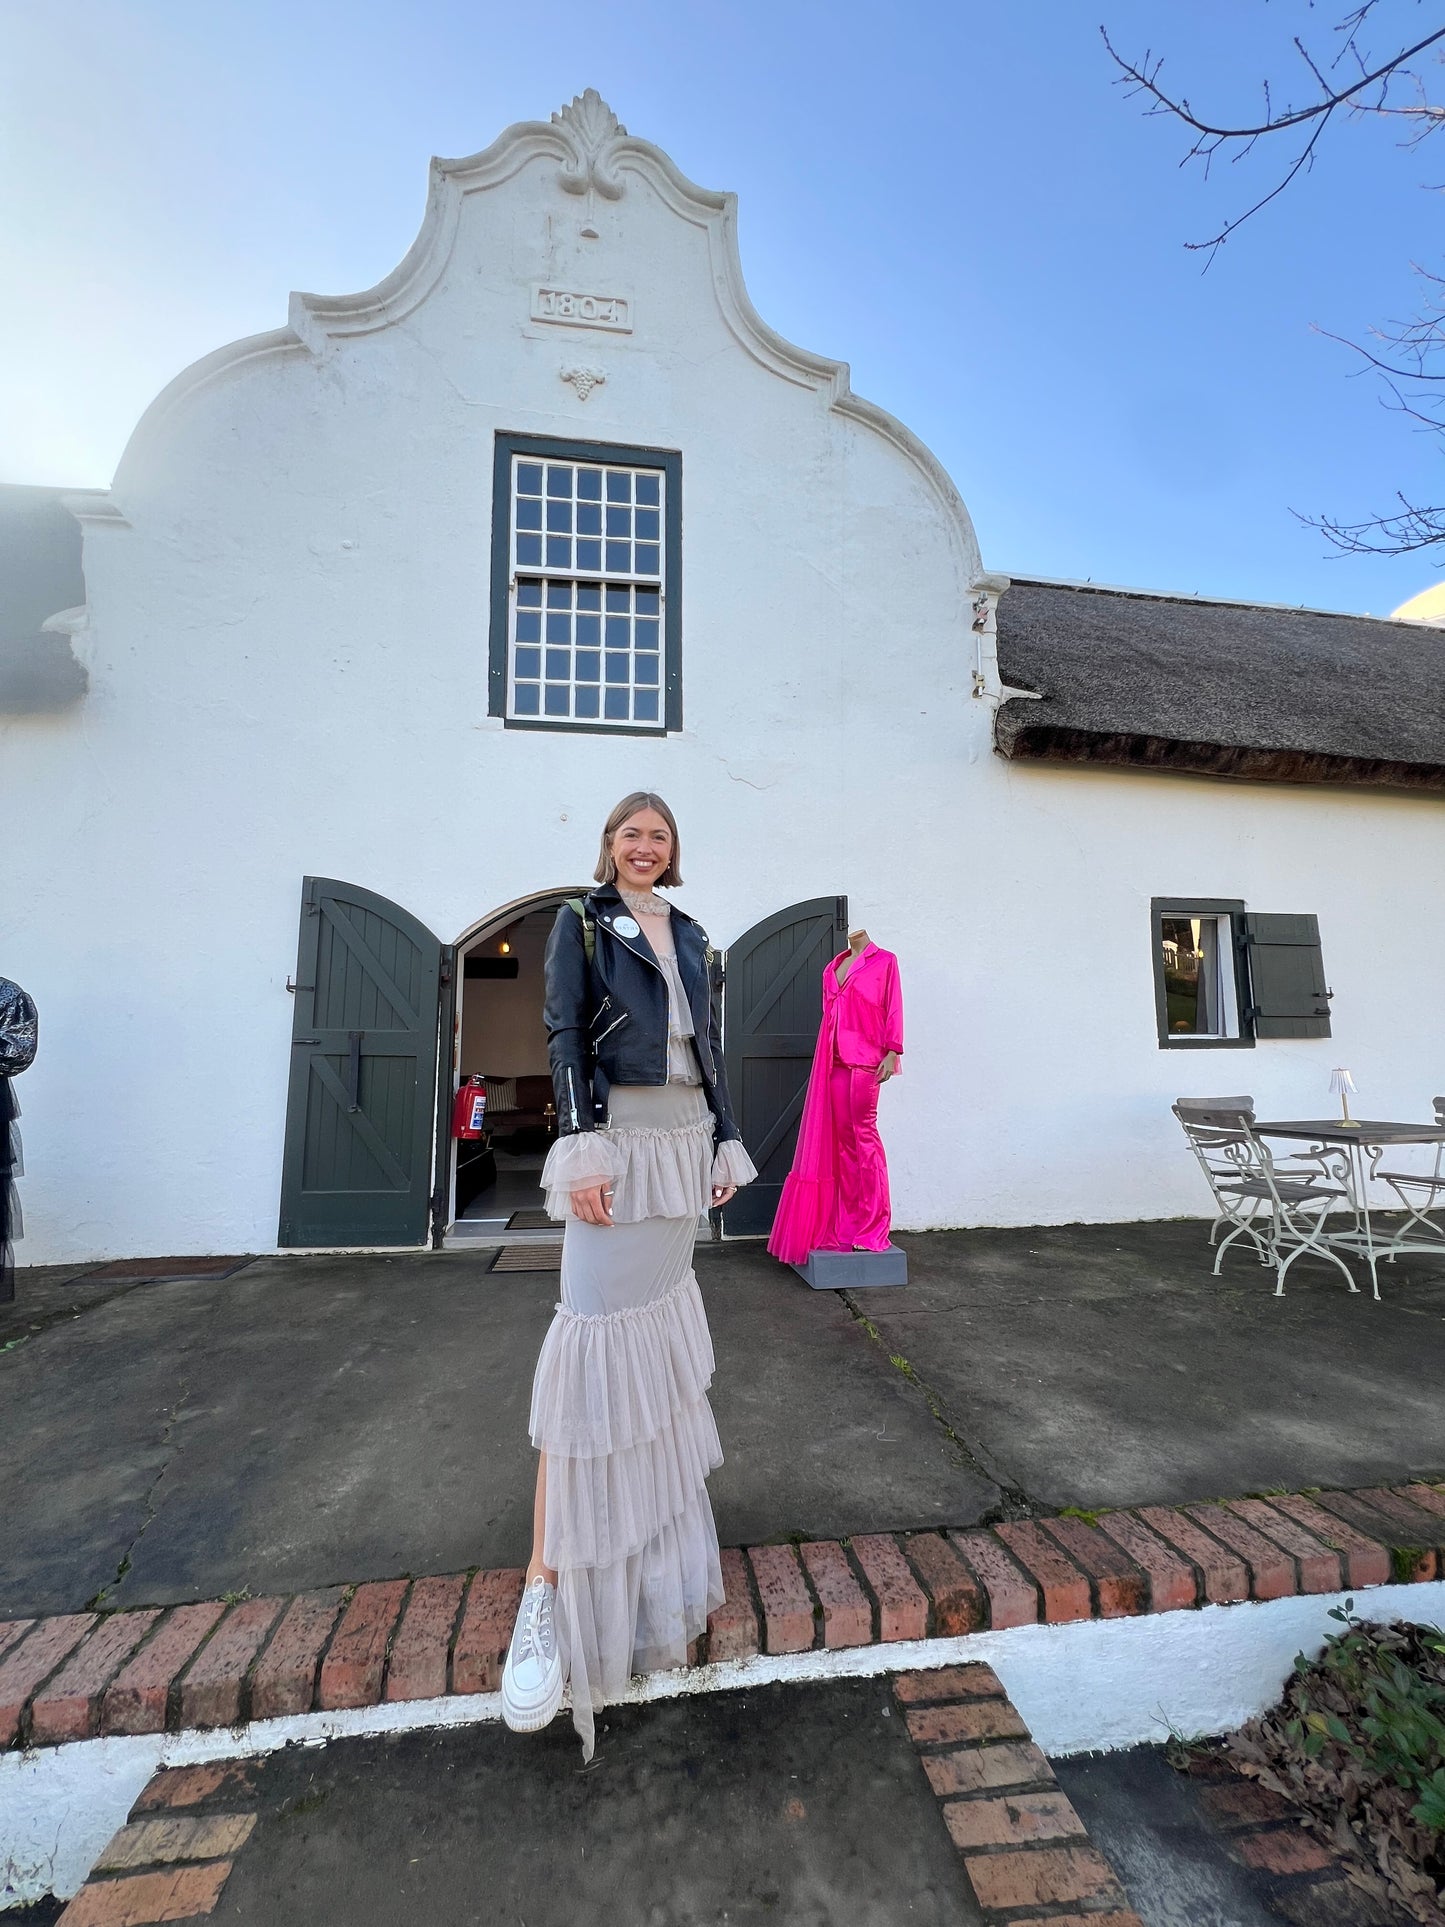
(625, 1566)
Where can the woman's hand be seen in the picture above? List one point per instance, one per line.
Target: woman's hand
(721, 1193)
(887, 1068)
(594, 1205)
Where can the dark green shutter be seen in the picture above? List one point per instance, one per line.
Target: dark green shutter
(361, 1112)
(1288, 994)
(772, 1007)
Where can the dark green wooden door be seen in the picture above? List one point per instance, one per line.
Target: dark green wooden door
(772, 1007)
(361, 1112)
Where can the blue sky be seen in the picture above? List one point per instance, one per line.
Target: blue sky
(953, 198)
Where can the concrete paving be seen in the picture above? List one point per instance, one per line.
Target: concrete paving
(315, 1420)
(1146, 1820)
(804, 1805)
(318, 1420)
(1103, 1365)
(1174, 1864)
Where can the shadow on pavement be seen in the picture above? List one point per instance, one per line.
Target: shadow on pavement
(804, 1805)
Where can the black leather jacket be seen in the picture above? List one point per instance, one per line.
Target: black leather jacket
(607, 1020)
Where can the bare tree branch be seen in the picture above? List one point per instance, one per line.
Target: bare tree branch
(1408, 357)
(1144, 78)
(1405, 532)
(1210, 135)
(1385, 367)
(1302, 160)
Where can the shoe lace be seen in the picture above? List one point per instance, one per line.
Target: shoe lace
(536, 1623)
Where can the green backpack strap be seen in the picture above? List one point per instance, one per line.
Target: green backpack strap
(589, 931)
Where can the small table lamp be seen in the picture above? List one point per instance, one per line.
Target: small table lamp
(1342, 1084)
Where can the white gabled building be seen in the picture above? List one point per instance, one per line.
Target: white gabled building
(387, 607)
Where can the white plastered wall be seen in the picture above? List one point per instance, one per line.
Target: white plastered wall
(287, 643)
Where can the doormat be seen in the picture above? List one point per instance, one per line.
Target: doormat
(528, 1258)
(534, 1218)
(143, 1270)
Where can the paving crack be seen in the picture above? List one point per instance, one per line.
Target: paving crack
(1014, 1501)
(149, 1508)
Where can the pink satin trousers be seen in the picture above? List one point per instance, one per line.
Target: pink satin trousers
(862, 1209)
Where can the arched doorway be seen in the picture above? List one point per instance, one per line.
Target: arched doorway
(492, 1188)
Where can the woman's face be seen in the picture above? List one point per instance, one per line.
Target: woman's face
(642, 850)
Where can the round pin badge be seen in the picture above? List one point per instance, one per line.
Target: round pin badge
(626, 927)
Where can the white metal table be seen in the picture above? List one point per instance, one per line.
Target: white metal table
(1351, 1153)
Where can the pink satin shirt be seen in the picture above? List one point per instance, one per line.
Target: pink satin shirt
(868, 1007)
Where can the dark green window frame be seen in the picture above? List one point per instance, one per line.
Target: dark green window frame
(1231, 907)
(668, 462)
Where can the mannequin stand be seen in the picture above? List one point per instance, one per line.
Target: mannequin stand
(845, 1270)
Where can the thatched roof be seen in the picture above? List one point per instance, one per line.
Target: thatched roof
(40, 575)
(1220, 688)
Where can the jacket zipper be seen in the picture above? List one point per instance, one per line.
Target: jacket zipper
(646, 957)
(610, 1028)
(572, 1099)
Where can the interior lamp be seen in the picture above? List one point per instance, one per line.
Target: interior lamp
(1342, 1084)
(504, 948)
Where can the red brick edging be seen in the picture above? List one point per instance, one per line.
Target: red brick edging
(1027, 1854)
(1024, 1850)
(151, 1670)
(175, 1853)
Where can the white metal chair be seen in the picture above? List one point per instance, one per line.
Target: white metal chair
(1282, 1217)
(1430, 1185)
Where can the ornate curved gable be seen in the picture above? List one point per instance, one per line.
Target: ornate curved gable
(596, 162)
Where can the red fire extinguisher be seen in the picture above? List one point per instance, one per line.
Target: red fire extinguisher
(470, 1107)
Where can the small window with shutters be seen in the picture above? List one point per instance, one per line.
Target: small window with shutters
(1225, 975)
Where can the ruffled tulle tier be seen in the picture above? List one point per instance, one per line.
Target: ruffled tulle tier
(602, 1511)
(656, 1152)
(665, 1174)
(637, 1616)
(611, 1382)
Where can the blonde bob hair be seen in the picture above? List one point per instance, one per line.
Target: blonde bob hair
(606, 871)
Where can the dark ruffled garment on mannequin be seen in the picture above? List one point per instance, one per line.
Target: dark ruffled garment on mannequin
(18, 1030)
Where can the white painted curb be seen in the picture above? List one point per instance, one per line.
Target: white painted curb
(1094, 1685)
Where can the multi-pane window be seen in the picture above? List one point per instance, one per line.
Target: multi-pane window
(588, 641)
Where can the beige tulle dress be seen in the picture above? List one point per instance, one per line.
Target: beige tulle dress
(619, 1402)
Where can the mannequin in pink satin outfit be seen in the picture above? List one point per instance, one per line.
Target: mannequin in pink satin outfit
(836, 1197)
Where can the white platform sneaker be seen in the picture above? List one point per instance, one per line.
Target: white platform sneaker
(532, 1676)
